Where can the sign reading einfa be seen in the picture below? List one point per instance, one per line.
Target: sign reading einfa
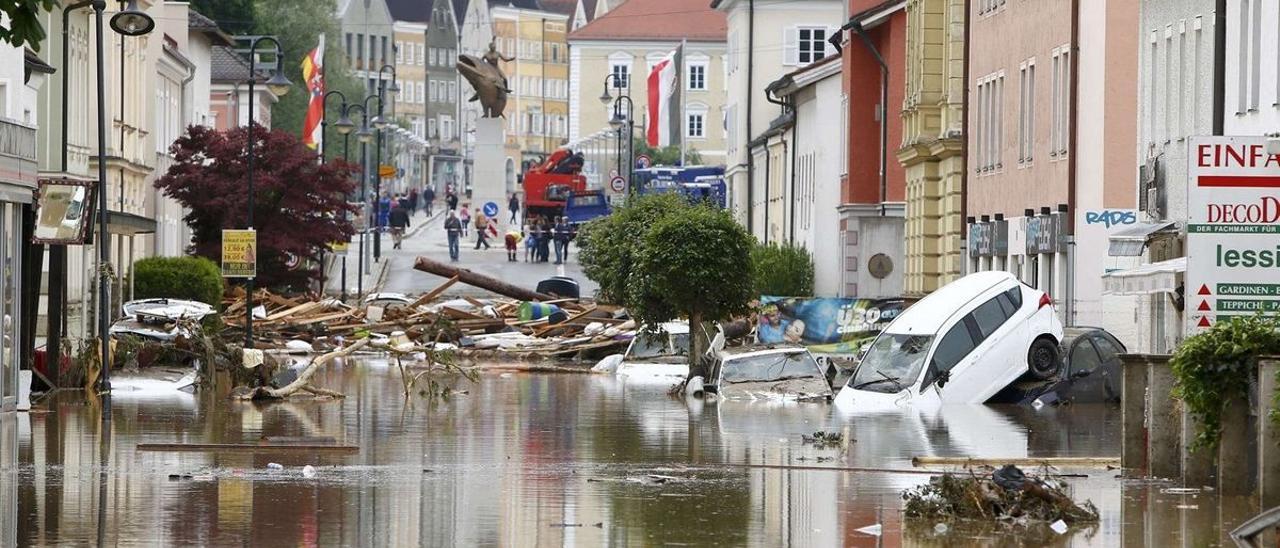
(1233, 229)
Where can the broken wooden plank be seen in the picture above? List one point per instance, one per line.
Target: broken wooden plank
(246, 447)
(434, 293)
(1057, 462)
(478, 280)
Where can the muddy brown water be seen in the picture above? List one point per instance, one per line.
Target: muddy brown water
(527, 459)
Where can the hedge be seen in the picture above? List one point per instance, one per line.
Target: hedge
(782, 270)
(191, 278)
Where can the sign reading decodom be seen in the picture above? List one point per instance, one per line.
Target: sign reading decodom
(1233, 229)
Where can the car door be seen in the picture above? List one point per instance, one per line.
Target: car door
(992, 363)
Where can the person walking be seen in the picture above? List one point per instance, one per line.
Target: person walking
(428, 198)
(399, 222)
(544, 241)
(569, 238)
(413, 201)
(561, 234)
(451, 201)
(513, 204)
(482, 230)
(464, 215)
(384, 212)
(453, 227)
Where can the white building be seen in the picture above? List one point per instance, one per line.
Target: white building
(764, 43)
(813, 182)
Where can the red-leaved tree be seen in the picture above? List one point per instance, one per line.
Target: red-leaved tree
(300, 205)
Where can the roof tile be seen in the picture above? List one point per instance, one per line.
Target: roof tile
(657, 20)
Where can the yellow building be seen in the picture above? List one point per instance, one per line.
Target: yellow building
(933, 150)
(537, 111)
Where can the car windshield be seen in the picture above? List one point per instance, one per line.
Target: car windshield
(770, 367)
(654, 345)
(892, 363)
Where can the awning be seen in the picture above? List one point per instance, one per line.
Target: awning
(1130, 241)
(1161, 277)
(128, 224)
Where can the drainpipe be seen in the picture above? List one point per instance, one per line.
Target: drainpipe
(751, 163)
(795, 139)
(1072, 169)
(964, 129)
(1219, 64)
(769, 96)
(884, 110)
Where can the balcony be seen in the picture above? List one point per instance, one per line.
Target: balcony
(18, 153)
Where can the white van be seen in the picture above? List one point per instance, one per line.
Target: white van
(961, 344)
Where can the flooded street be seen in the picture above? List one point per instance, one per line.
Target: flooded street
(527, 459)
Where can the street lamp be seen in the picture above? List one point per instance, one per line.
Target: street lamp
(129, 27)
(278, 85)
(344, 127)
(132, 21)
(365, 136)
(618, 121)
(379, 123)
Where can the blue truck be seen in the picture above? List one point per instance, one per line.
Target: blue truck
(586, 205)
(697, 183)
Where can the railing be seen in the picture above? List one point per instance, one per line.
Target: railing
(17, 140)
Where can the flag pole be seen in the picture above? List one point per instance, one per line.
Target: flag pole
(684, 116)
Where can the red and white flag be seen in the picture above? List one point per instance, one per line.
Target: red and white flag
(663, 123)
(313, 76)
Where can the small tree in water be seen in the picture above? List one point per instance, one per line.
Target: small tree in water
(663, 259)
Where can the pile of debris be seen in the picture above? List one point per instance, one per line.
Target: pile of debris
(1006, 495)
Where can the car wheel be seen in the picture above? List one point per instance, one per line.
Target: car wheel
(1042, 359)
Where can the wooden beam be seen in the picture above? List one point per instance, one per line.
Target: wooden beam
(434, 293)
(246, 447)
(479, 280)
(1057, 462)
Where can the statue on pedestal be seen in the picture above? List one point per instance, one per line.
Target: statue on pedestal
(487, 79)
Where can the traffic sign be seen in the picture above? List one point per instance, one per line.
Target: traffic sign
(386, 172)
(490, 209)
(1233, 225)
(643, 161)
(618, 184)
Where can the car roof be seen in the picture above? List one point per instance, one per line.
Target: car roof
(924, 317)
(765, 351)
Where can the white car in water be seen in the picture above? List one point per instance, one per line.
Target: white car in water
(961, 344)
(787, 374)
(660, 356)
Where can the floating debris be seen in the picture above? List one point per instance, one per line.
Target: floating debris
(824, 440)
(1006, 495)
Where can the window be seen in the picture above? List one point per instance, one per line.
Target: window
(400, 52)
(804, 45)
(453, 92)
(433, 95)
(989, 6)
(989, 123)
(348, 48)
(419, 92)
(431, 126)
(620, 75)
(359, 51)
(1026, 111)
(697, 77)
(418, 49)
(1059, 138)
(951, 349)
(694, 129)
(1084, 357)
(731, 57)
(990, 316)
(382, 60)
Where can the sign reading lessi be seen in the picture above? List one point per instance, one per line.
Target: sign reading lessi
(1233, 229)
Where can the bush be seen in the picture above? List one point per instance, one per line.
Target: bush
(1214, 366)
(192, 278)
(782, 270)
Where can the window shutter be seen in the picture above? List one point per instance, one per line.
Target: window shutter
(791, 46)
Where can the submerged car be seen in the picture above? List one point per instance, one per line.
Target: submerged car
(660, 354)
(773, 373)
(1090, 372)
(961, 344)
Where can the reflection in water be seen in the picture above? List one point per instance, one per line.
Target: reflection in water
(537, 460)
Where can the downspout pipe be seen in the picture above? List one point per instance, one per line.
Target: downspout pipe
(768, 162)
(1072, 164)
(751, 163)
(1219, 65)
(795, 140)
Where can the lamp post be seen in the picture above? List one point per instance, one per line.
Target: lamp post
(380, 123)
(344, 127)
(130, 22)
(617, 122)
(365, 136)
(278, 85)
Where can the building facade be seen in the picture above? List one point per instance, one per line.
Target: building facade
(627, 42)
(765, 40)
(873, 183)
(537, 114)
(933, 143)
(444, 98)
(368, 39)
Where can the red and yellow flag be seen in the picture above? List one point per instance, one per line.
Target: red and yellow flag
(313, 75)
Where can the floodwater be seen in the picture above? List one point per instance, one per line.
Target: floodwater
(527, 459)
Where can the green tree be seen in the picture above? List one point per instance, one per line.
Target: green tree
(233, 16)
(696, 264)
(24, 27)
(668, 155)
(611, 244)
(782, 270)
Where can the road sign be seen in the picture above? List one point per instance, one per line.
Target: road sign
(386, 172)
(239, 253)
(1233, 229)
(490, 209)
(618, 184)
(339, 248)
(643, 161)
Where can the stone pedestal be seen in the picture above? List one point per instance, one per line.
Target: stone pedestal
(1268, 436)
(489, 179)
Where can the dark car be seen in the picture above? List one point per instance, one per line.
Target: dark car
(1090, 372)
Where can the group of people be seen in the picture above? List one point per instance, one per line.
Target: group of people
(394, 211)
(540, 236)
